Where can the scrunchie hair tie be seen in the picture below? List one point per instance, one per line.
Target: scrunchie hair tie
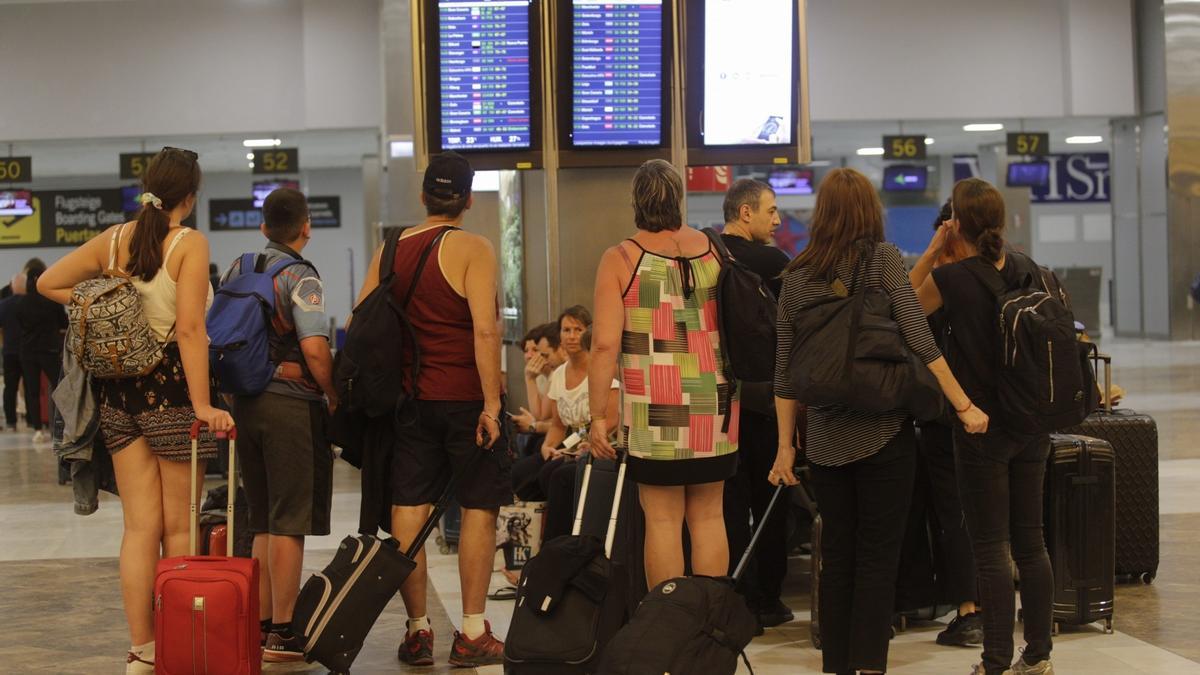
(149, 198)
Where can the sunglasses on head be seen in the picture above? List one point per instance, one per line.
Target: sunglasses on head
(190, 154)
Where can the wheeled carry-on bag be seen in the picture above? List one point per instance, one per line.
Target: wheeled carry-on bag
(338, 606)
(206, 607)
(689, 624)
(571, 598)
(1134, 439)
(1079, 519)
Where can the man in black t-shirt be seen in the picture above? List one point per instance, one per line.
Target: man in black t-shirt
(751, 218)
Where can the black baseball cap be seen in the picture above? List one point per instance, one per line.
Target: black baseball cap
(448, 176)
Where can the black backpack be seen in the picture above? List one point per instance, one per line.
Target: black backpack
(685, 625)
(1043, 381)
(368, 374)
(746, 310)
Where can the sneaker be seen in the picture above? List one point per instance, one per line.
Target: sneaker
(484, 650)
(966, 630)
(774, 613)
(40, 436)
(279, 649)
(134, 663)
(1040, 668)
(417, 648)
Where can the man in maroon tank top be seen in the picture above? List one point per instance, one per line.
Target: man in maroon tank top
(453, 311)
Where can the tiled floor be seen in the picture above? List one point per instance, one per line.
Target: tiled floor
(60, 610)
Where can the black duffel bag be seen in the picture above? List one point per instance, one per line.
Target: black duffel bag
(848, 351)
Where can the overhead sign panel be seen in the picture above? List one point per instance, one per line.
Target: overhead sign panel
(749, 89)
(618, 58)
(1029, 143)
(485, 76)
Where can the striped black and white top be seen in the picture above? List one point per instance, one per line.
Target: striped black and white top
(836, 435)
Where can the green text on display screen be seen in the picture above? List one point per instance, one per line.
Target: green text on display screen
(485, 79)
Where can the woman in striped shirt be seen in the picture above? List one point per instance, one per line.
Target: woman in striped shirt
(862, 463)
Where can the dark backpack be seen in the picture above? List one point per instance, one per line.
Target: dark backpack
(685, 625)
(746, 310)
(368, 374)
(239, 327)
(1043, 381)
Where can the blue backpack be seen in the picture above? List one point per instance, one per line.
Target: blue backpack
(239, 328)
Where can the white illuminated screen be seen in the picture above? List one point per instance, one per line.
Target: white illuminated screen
(748, 78)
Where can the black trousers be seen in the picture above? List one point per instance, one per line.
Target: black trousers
(33, 365)
(747, 494)
(553, 482)
(936, 442)
(1000, 478)
(12, 381)
(864, 507)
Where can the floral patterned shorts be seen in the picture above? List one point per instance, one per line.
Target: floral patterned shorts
(157, 406)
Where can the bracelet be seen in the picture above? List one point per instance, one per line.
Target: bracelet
(969, 406)
(490, 416)
(598, 418)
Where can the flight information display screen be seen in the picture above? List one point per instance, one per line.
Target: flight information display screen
(748, 91)
(485, 79)
(618, 57)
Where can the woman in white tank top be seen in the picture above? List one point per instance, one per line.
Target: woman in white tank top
(145, 421)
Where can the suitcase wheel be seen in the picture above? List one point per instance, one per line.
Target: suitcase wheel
(1146, 578)
(1108, 629)
(1054, 629)
(1021, 615)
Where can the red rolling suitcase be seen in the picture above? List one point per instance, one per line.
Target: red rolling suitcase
(206, 607)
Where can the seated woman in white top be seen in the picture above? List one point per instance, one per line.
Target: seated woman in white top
(145, 421)
(570, 415)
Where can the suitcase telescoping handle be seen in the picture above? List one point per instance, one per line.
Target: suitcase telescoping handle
(1106, 393)
(577, 527)
(193, 516)
(758, 530)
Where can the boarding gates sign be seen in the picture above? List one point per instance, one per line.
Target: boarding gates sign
(1075, 178)
(61, 218)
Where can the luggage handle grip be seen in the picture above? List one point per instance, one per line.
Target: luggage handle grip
(231, 494)
(200, 425)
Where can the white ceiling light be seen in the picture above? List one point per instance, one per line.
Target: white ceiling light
(249, 155)
(818, 162)
(869, 152)
(401, 148)
(983, 127)
(928, 141)
(261, 142)
(1084, 140)
(251, 165)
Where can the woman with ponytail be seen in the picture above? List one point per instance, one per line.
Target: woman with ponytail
(1000, 472)
(145, 420)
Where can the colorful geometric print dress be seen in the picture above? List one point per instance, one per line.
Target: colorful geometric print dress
(676, 398)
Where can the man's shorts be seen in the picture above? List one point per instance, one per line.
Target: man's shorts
(440, 442)
(286, 463)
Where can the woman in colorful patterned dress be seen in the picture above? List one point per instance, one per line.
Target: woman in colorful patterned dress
(655, 307)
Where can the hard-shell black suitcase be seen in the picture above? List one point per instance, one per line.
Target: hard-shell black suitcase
(562, 620)
(338, 606)
(1134, 439)
(1079, 518)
